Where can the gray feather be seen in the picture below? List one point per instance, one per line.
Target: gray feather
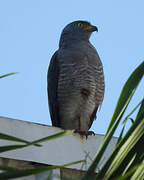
(79, 83)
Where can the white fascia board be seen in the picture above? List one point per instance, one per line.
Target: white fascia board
(59, 151)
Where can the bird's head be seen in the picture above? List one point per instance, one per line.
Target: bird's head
(77, 30)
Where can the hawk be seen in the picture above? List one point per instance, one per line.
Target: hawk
(75, 79)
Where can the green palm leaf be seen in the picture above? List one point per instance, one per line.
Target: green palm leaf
(12, 173)
(18, 146)
(9, 74)
(123, 101)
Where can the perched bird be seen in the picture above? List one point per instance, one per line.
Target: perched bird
(75, 79)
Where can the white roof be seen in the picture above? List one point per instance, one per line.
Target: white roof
(54, 152)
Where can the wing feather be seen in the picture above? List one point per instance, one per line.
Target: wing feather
(52, 84)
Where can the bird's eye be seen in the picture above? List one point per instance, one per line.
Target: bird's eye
(80, 25)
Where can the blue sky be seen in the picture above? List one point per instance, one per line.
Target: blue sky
(29, 35)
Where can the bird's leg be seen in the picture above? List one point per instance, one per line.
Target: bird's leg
(82, 133)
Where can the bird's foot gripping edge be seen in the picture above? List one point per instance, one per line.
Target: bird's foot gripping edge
(84, 133)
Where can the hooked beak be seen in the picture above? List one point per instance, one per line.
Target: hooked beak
(91, 28)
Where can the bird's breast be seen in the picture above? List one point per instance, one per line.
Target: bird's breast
(80, 84)
(79, 69)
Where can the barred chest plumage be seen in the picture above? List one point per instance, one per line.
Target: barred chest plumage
(80, 84)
